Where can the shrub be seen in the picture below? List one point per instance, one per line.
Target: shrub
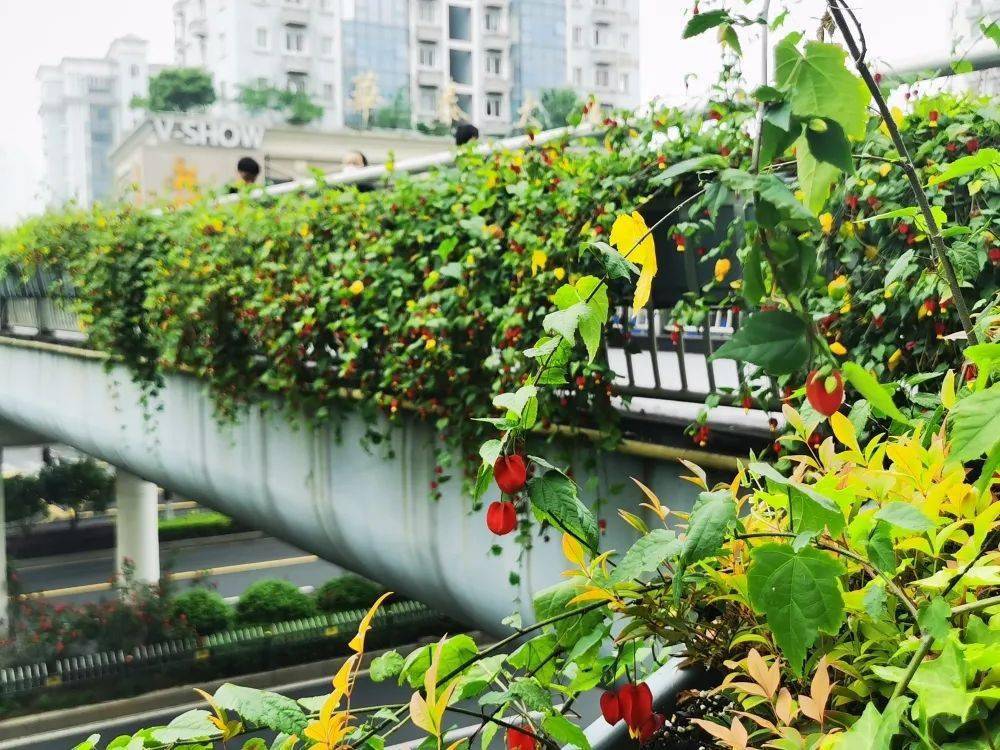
(79, 485)
(208, 523)
(203, 610)
(265, 602)
(347, 592)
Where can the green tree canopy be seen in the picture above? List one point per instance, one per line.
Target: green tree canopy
(178, 90)
(555, 107)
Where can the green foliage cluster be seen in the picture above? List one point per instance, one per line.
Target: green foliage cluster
(203, 610)
(197, 524)
(178, 90)
(78, 485)
(265, 602)
(346, 592)
(297, 107)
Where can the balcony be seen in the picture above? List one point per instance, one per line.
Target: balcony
(196, 26)
(430, 77)
(428, 32)
(294, 16)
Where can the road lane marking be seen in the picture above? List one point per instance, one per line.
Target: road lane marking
(186, 575)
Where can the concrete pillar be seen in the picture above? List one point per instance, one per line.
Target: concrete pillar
(136, 534)
(4, 594)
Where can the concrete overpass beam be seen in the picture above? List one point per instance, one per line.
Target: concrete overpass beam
(137, 538)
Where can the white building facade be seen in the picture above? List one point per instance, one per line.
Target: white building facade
(488, 56)
(84, 112)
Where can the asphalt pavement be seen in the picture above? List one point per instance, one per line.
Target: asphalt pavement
(227, 564)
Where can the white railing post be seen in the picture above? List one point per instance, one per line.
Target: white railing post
(4, 594)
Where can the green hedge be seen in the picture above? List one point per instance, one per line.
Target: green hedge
(203, 610)
(197, 524)
(347, 592)
(265, 602)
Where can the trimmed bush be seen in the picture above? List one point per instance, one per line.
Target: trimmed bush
(265, 602)
(198, 524)
(347, 592)
(203, 610)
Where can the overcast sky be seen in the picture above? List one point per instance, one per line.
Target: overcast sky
(37, 32)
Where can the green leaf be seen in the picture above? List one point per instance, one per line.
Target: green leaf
(878, 397)
(934, 618)
(88, 744)
(554, 499)
(261, 708)
(488, 733)
(975, 424)
(810, 510)
(940, 685)
(776, 140)
(774, 340)
(584, 306)
(753, 275)
(830, 145)
(483, 480)
(875, 601)
(385, 666)
(565, 322)
(707, 162)
(904, 516)
(820, 84)
(881, 552)
(874, 730)
(899, 268)
(702, 22)
(455, 651)
(615, 265)
(816, 178)
(490, 451)
(991, 30)
(913, 213)
(478, 677)
(986, 358)
(798, 593)
(515, 402)
(555, 600)
(647, 554)
(189, 726)
(984, 158)
(565, 732)
(713, 515)
(531, 693)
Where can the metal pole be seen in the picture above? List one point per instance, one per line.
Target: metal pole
(4, 594)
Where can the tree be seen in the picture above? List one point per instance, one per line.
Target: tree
(556, 106)
(365, 97)
(178, 90)
(79, 485)
(23, 501)
(396, 115)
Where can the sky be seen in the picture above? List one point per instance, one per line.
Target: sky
(40, 32)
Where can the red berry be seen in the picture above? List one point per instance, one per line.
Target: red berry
(932, 115)
(972, 145)
(510, 473)
(904, 228)
(995, 256)
(610, 707)
(747, 402)
(501, 517)
(518, 740)
(823, 397)
(971, 373)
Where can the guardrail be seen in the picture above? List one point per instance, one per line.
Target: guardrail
(73, 671)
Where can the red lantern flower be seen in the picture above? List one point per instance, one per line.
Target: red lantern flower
(510, 473)
(825, 393)
(501, 517)
(518, 740)
(611, 709)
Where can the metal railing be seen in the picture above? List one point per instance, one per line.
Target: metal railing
(76, 670)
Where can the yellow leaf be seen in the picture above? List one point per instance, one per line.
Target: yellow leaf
(700, 478)
(357, 287)
(420, 716)
(538, 261)
(592, 595)
(573, 550)
(654, 502)
(843, 428)
(885, 169)
(722, 267)
(634, 521)
(357, 643)
(632, 238)
(948, 390)
(837, 348)
(826, 222)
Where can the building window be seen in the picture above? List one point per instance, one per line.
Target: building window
(602, 76)
(327, 45)
(135, 71)
(577, 76)
(494, 105)
(427, 11)
(460, 23)
(295, 39)
(600, 3)
(600, 34)
(222, 46)
(261, 37)
(492, 18)
(328, 91)
(623, 82)
(297, 82)
(428, 99)
(494, 62)
(578, 35)
(427, 55)
(626, 40)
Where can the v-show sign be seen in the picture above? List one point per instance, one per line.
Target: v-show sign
(193, 131)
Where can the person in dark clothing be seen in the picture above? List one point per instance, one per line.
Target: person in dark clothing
(248, 169)
(465, 132)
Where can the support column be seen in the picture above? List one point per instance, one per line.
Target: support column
(137, 538)
(4, 594)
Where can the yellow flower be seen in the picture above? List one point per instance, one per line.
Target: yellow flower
(430, 344)
(871, 252)
(837, 288)
(826, 222)
(357, 287)
(722, 267)
(304, 231)
(800, 195)
(885, 169)
(491, 180)
(538, 261)
(559, 273)
(634, 241)
(894, 359)
(837, 348)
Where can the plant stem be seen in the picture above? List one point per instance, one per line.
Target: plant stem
(911, 668)
(975, 606)
(933, 230)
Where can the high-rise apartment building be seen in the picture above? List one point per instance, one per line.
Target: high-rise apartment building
(484, 58)
(84, 111)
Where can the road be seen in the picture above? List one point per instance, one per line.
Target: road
(229, 565)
